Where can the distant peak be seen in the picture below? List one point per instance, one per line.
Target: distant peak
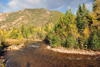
(43, 8)
(2, 13)
(34, 8)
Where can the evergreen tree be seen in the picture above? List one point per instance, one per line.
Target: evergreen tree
(26, 33)
(30, 29)
(59, 25)
(82, 16)
(82, 23)
(85, 15)
(95, 42)
(22, 30)
(66, 30)
(79, 19)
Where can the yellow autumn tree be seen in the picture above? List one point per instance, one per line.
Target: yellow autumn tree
(86, 32)
(1, 32)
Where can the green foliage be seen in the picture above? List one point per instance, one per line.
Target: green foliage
(82, 16)
(80, 25)
(95, 42)
(96, 9)
(98, 33)
(63, 34)
(3, 43)
(30, 29)
(25, 33)
(55, 41)
(0, 46)
(83, 25)
(22, 29)
(72, 33)
(71, 42)
(13, 34)
(59, 24)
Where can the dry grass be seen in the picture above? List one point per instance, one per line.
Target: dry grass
(15, 41)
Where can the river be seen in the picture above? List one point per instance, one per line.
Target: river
(34, 54)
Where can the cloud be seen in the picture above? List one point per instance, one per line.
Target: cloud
(89, 6)
(14, 5)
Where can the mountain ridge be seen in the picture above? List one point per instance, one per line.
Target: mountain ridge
(36, 17)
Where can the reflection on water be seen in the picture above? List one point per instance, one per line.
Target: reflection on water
(34, 55)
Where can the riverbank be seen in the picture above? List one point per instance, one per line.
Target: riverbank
(16, 44)
(15, 47)
(33, 40)
(73, 51)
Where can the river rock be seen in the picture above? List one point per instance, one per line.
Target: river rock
(15, 47)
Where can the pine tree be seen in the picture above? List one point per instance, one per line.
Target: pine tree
(26, 33)
(82, 22)
(30, 29)
(79, 19)
(82, 16)
(22, 30)
(95, 42)
(85, 15)
(59, 25)
(66, 29)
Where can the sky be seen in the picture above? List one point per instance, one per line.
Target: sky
(58, 5)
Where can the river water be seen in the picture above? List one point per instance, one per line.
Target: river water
(34, 54)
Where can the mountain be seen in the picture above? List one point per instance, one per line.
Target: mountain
(27, 17)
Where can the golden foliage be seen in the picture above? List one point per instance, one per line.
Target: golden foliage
(92, 18)
(65, 33)
(1, 32)
(16, 31)
(86, 32)
(50, 26)
(6, 36)
(74, 30)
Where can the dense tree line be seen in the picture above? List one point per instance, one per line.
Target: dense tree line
(80, 31)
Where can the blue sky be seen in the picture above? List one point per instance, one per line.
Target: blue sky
(59, 5)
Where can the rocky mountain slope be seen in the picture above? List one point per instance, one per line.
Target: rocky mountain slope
(27, 17)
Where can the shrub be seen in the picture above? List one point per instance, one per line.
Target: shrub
(0, 46)
(13, 34)
(71, 42)
(55, 41)
(95, 42)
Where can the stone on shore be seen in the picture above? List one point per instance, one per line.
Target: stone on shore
(15, 47)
